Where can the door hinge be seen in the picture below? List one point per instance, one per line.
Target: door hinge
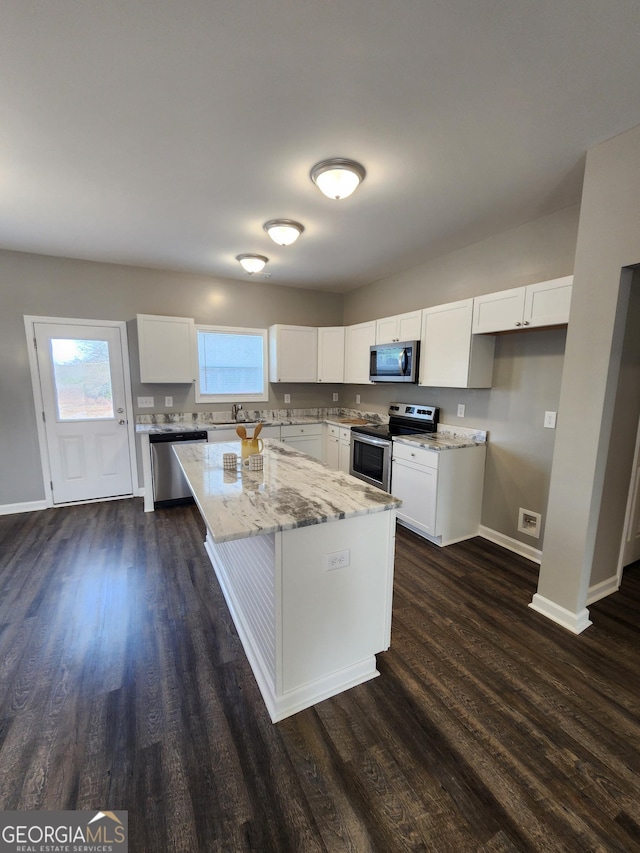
(35, 343)
(44, 420)
(51, 484)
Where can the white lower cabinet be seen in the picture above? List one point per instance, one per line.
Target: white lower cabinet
(307, 438)
(337, 447)
(344, 450)
(441, 490)
(331, 446)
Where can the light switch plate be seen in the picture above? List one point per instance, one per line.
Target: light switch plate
(287, 398)
(146, 402)
(461, 408)
(335, 397)
(550, 420)
(168, 401)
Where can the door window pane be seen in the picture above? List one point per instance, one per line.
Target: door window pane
(82, 379)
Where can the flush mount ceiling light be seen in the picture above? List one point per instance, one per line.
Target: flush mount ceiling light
(284, 232)
(252, 263)
(337, 178)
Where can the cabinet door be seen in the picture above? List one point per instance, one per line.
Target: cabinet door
(387, 330)
(499, 312)
(331, 354)
(293, 353)
(310, 444)
(332, 456)
(416, 486)
(548, 302)
(344, 460)
(165, 346)
(400, 327)
(358, 341)
(409, 326)
(450, 357)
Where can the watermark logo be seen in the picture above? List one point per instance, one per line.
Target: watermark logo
(64, 832)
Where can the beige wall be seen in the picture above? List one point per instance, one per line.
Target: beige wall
(527, 366)
(608, 241)
(538, 251)
(58, 287)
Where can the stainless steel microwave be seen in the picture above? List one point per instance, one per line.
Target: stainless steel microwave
(396, 362)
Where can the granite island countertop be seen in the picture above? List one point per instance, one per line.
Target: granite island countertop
(293, 490)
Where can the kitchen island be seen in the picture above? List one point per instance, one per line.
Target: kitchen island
(304, 556)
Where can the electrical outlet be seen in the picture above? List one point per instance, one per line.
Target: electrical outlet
(529, 522)
(335, 397)
(550, 420)
(461, 408)
(338, 559)
(168, 401)
(357, 399)
(146, 402)
(287, 398)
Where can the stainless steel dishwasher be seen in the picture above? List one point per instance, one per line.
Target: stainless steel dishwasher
(169, 484)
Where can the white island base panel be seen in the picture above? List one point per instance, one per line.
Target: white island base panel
(310, 631)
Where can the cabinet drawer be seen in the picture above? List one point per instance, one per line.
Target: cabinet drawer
(345, 435)
(417, 455)
(333, 430)
(300, 429)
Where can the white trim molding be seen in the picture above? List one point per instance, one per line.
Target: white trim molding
(574, 622)
(521, 548)
(603, 589)
(26, 506)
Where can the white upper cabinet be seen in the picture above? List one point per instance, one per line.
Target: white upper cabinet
(293, 353)
(546, 303)
(358, 341)
(331, 354)
(450, 356)
(166, 346)
(401, 327)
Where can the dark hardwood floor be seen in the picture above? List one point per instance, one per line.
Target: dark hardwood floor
(123, 685)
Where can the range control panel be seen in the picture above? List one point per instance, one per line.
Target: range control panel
(415, 411)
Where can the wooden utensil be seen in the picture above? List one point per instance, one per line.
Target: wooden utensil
(258, 430)
(241, 431)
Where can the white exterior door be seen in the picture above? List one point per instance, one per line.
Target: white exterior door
(82, 383)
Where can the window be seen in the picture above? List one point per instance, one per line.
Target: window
(232, 364)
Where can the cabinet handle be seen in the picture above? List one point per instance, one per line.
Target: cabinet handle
(518, 323)
(526, 323)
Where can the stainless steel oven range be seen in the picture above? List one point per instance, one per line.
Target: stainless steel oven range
(371, 446)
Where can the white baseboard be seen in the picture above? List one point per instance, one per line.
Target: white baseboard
(521, 548)
(602, 589)
(574, 622)
(27, 506)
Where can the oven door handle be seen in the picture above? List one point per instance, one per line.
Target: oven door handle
(365, 439)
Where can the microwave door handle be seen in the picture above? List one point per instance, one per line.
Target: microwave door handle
(403, 361)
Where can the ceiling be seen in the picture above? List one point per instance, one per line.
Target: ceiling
(164, 134)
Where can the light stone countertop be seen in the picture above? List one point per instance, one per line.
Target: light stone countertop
(438, 441)
(196, 426)
(293, 490)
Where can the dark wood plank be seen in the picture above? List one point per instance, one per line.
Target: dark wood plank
(123, 685)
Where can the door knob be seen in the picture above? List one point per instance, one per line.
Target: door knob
(120, 411)
(121, 421)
